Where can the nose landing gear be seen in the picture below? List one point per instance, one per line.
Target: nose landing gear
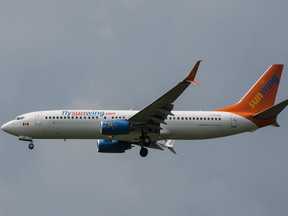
(29, 139)
(31, 145)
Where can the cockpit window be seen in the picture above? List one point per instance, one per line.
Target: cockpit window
(20, 118)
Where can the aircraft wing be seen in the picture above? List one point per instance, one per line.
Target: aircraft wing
(156, 113)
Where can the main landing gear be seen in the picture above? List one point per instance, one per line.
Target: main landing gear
(146, 140)
(143, 152)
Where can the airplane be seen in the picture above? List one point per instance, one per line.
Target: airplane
(119, 130)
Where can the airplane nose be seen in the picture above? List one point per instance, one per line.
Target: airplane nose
(6, 127)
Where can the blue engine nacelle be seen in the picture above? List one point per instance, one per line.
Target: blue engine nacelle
(114, 127)
(113, 146)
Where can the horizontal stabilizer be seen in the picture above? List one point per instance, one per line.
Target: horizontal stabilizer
(272, 112)
(169, 145)
(156, 145)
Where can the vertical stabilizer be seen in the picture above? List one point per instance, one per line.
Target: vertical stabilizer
(262, 94)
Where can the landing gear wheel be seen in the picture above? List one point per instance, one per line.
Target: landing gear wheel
(31, 146)
(146, 141)
(143, 152)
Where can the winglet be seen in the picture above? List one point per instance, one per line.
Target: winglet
(191, 76)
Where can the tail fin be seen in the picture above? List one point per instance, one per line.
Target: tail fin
(262, 94)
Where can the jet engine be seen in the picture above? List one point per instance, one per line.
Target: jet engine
(113, 146)
(114, 127)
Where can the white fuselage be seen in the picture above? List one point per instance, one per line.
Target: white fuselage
(85, 124)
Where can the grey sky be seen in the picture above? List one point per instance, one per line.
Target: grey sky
(124, 54)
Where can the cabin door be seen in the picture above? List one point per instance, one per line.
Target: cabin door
(233, 121)
(38, 118)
